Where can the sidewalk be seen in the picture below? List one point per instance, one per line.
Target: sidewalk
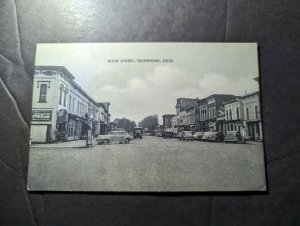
(67, 144)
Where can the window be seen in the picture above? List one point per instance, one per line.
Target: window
(237, 113)
(77, 107)
(231, 126)
(73, 106)
(43, 93)
(247, 113)
(65, 97)
(70, 128)
(60, 94)
(230, 114)
(256, 112)
(226, 114)
(70, 102)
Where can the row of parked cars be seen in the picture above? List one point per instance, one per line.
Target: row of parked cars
(231, 136)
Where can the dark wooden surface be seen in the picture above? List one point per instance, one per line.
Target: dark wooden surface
(273, 24)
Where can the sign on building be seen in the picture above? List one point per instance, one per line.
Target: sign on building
(41, 115)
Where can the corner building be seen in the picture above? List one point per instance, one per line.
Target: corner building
(60, 107)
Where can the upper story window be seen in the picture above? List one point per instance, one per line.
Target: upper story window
(70, 102)
(247, 113)
(65, 97)
(43, 93)
(230, 114)
(237, 113)
(256, 111)
(61, 89)
(227, 115)
(73, 105)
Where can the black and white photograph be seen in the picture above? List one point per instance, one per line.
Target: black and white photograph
(146, 117)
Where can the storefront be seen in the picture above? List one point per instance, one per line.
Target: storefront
(40, 131)
(75, 127)
(254, 130)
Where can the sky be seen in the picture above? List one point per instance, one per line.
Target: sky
(139, 89)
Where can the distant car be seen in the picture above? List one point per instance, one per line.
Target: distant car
(198, 135)
(138, 132)
(168, 134)
(234, 136)
(158, 134)
(176, 135)
(213, 136)
(114, 137)
(186, 135)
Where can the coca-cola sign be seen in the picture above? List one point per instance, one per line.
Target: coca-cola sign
(41, 115)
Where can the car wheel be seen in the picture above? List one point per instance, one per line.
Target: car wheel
(105, 141)
(127, 141)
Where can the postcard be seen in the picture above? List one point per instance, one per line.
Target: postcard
(146, 117)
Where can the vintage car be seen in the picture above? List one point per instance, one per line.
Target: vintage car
(168, 134)
(138, 132)
(186, 135)
(213, 136)
(234, 136)
(198, 135)
(158, 134)
(114, 137)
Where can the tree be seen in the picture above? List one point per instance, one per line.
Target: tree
(150, 122)
(125, 124)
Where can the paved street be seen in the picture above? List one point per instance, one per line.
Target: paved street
(150, 164)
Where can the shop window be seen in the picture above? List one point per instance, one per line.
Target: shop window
(43, 93)
(231, 127)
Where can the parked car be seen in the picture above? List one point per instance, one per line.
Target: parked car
(213, 136)
(114, 137)
(186, 135)
(198, 135)
(159, 134)
(168, 134)
(176, 135)
(234, 136)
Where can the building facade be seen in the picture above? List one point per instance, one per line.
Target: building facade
(167, 120)
(187, 114)
(252, 116)
(211, 112)
(234, 115)
(61, 109)
(104, 117)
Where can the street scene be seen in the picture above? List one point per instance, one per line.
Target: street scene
(146, 124)
(151, 163)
